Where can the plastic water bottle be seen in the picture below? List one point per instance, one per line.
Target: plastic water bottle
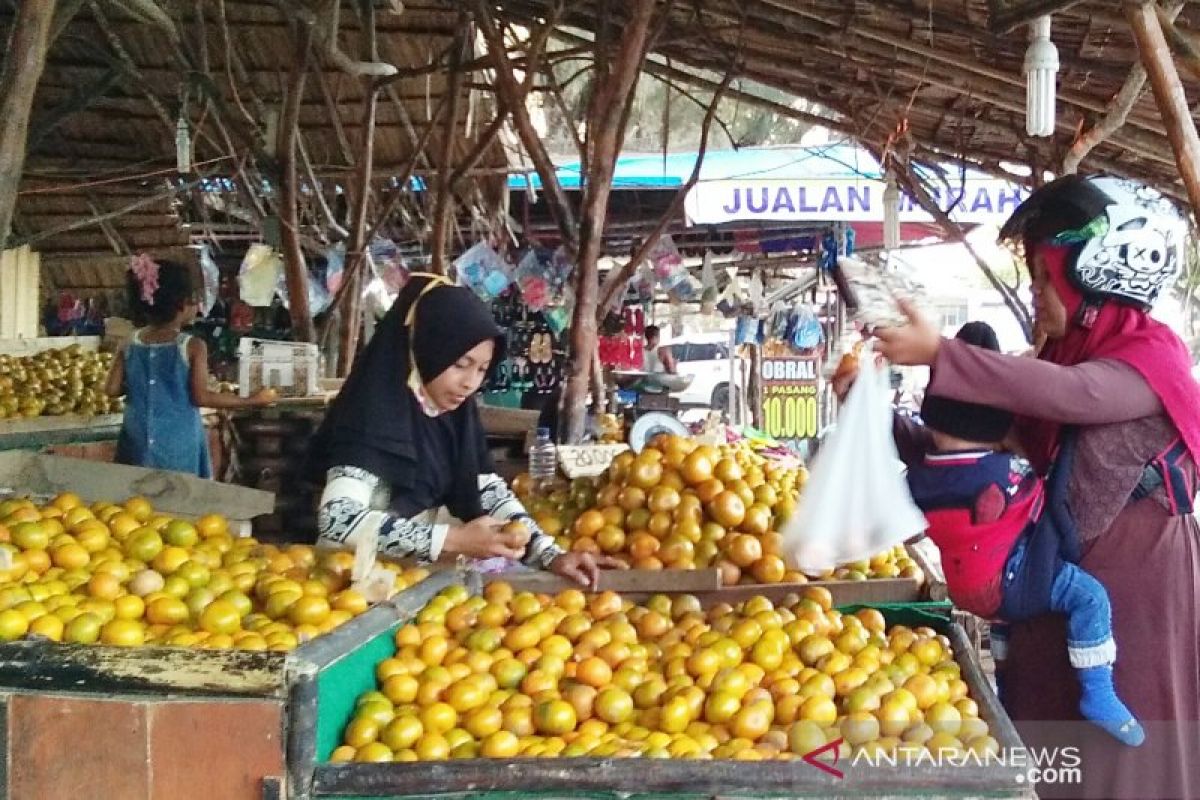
(543, 464)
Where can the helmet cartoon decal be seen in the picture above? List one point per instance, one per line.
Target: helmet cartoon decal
(1131, 236)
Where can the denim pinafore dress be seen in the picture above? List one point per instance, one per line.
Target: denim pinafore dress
(162, 427)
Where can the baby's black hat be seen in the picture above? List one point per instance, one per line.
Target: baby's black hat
(970, 421)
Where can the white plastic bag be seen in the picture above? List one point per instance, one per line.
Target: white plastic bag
(259, 275)
(856, 503)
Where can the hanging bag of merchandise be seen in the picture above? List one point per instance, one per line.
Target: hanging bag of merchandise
(855, 503)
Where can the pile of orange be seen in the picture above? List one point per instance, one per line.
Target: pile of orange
(124, 575)
(507, 675)
(683, 505)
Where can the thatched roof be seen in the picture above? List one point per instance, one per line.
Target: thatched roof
(107, 105)
(932, 64)
(926, 78)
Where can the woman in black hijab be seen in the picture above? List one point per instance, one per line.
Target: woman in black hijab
(404, 438)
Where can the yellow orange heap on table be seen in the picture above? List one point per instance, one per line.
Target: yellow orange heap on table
(683, 505)
(124, 575)
(507, 675)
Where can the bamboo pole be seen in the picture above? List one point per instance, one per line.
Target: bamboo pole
(1169, 94)
(295, 271)
(27, 45)
(615, 283)
(356, 255)
(513, 95)
(444, 200)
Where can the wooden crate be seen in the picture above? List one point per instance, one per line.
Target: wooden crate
(153, 723)
(632, 778)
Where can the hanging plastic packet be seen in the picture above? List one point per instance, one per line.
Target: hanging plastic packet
(806, 332)
(533, 276)
(557, 319)
(259, 275)
(561, 268)
(682, 288)
(746, 331)
(319, 297)
(212, 278)
(483, 270)
(757, 295)
(779, 319)
(644, 283)
(875, 292)
(666, 261)
(387, 261)
(335, 265)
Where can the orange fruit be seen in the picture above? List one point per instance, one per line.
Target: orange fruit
(211, 525)
(632, 498)
(744, 550)
(646, 473)
(123, 633)
(13, 625)
(220, 616)
(768, 569)
(501, 744)
(589, 523)
(757, 520)
(139, 508)
(166, 611)
(554, 717)
(727, 509)
(594, 671)
(309, 610)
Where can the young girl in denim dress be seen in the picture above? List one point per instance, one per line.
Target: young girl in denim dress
(163, 373)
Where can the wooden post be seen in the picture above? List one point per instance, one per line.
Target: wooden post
(605, 134)
(28, 42)
(1169, 94)
(294, 267)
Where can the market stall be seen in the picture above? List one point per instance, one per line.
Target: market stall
(594, 768)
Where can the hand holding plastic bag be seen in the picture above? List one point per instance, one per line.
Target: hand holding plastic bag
(856, 503)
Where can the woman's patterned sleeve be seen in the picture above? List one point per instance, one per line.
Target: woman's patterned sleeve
(345, 514)
(500, 502)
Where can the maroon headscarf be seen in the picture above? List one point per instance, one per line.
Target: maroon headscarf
(1125, 333)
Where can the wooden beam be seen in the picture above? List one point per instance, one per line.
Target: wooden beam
(117, 212)
(1169, 94)
(1005, 15)
(28, 42)
(1119, 110)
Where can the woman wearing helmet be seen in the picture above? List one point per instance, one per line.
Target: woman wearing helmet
(1117, 385)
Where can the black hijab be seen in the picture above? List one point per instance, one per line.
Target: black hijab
(370, 424)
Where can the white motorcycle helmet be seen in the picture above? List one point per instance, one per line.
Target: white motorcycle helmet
(1127, 237)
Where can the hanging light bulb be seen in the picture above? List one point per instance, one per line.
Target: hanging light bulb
(891, 213)
(1041, 70)
(183, 146)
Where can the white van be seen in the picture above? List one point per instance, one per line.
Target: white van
(704, 356)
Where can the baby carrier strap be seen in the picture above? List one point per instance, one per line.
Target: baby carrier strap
(1168, 470)
(1051, 539)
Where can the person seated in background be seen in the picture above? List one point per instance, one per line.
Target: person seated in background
(657, 359)
(1002, 543)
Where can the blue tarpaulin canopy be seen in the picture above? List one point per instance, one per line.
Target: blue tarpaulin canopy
(653, 171)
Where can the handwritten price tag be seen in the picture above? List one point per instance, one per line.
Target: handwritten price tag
(588, 461)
